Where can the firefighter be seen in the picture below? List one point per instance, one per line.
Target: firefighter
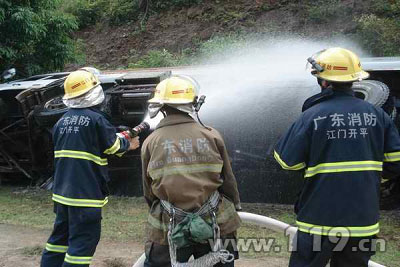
(342, 144)
(188, 182)
(83, 139)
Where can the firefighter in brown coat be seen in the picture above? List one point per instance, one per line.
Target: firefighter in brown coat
(187, 172)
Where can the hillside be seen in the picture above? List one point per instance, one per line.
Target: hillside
(174, 34)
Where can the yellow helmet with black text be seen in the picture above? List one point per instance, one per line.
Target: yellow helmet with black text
(79, 83)
(337, 65)
(178, 91)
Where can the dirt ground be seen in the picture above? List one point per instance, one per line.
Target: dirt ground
(21, 247)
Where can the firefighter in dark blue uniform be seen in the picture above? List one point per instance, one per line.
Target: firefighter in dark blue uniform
(343, 145)
(83, 138)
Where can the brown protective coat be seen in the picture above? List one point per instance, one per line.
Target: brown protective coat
(184, 163)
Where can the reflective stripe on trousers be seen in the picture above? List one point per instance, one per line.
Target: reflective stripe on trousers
(90, 203)
(345, 231)
(56, 248)
(74, 238)
(77, 259)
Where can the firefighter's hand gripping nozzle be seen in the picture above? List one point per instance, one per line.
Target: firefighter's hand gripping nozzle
(129, 133)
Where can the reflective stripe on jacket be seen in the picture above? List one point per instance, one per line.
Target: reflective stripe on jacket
(83, 139)
(184, 163)
(342, 144)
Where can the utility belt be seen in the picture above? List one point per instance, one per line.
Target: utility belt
(192, 229)
(210, 206)
(189, 228)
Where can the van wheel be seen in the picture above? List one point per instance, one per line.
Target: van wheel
(48, 114)
(375, 92)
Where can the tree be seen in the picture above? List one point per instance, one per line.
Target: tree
(35, 36)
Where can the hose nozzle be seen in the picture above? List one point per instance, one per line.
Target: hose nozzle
(144, 126)
(129, 133)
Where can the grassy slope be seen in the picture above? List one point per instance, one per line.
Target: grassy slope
(125, 218)
(182, 31)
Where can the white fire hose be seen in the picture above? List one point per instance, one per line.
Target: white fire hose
(264, 221)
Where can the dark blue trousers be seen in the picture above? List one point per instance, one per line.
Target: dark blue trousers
(74, 238)
(317, 251)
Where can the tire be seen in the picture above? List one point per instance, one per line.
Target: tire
(48, 114)
(375, 92)
(378, 94)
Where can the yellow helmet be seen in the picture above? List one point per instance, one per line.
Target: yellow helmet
(176, 90)
(79, 83)
(338, 65)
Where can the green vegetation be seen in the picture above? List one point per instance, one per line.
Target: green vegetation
(386, 8)
(379, 31)
(121, 11)
(377, 27)
(222, 45)
(380, 36)
(88, 12)
(124, 218)
(35, 36)
(162, 4)
(322, 11)
(117, 12)
(156, 58)
(79, 48)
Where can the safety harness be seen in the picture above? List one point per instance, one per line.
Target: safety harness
(192, 229)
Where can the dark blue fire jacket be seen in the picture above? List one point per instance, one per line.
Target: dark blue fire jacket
(342, 144)
(83, 138)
